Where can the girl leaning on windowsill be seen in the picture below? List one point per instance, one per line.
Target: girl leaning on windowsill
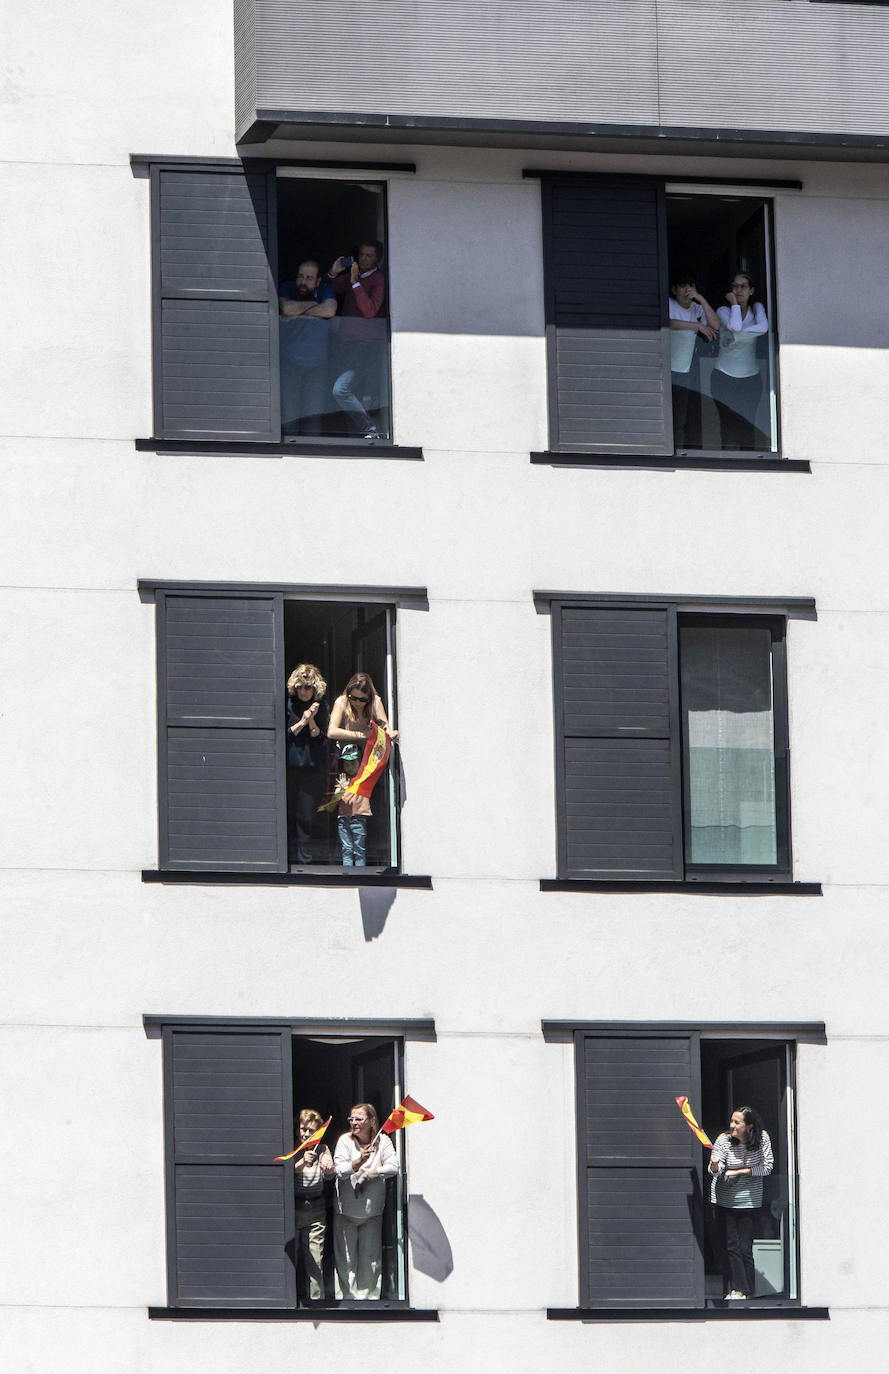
(351, 719)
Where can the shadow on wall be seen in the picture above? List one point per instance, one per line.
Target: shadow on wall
(376, 903)
(430, 1246)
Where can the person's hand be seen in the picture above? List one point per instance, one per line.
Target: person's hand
(705, 331)
(731, 298)
(393, 734)
(337, 267)
(311, 1156)
(714, 1166)
(354, 272)
(732, 1175)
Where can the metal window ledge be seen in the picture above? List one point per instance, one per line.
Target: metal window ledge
(369, 1312)
(731, 1312)
(335, 878)
(737, 887)
(658, 462)
(291, 448)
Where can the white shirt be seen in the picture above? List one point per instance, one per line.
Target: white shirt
(682, 341)
(369, 1202)
(737, 339)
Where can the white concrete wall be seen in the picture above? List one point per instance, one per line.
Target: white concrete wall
(88, 948)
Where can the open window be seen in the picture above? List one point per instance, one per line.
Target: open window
(334, 368)
(233, 1094)
(650, 1235)
(672, 742)
(634, 370)
(242, 339)
(224, 659)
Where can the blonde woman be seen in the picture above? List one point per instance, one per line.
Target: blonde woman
(351, 719)
(310, 1170)
(308, 717)
(363, 1160)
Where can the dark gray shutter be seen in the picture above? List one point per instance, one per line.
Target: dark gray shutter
(215, 304)
(223, 800)
(618, 770)
(606, 310)
(229, 1112)
(640, 1204)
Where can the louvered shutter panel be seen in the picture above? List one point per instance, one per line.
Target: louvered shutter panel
(641, 1213)
(229, 1109)
(223, 800)
(607, 327)
(620, 812)
(216, 304)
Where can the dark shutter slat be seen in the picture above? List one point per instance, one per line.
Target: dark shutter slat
(216, 312)
(606, 315)
(620, 786)
(232, 1222)
(223, 797)
(641, 1211)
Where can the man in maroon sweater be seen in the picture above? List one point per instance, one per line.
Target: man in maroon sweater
(363, 334)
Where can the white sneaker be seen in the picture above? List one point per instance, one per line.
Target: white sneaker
(734, 1294)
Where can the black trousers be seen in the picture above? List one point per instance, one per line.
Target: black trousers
(686, 409)
(304, 787)
(737, 399)
(738, 1229)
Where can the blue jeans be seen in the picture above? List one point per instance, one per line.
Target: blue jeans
(353, 839)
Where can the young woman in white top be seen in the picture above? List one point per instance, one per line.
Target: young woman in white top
(736, 383)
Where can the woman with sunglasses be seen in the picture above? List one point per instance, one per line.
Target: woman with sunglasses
(351, 721)
(308, 717)
(736, 384)
(363, 1160)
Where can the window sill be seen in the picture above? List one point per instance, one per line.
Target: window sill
(705, 888)
(670, 463)
(371, 877)
(729, 1312)
(370, 1312)
(313, 448)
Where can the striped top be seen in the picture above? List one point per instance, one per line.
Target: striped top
(729, 1153)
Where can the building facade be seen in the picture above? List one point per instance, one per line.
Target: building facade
(621, 589)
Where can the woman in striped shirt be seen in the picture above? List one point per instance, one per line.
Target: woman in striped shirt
(741, 1159)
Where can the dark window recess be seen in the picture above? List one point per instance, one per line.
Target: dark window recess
(215, 306)
(227, 800)
(232, 1102)
(672, 756)
(630, 373)
(650, 1236)
(335, 377)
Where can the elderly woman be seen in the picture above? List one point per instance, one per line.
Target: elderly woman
(308, 717)
(310, 1169)
(741, 1159)
(363, 1160)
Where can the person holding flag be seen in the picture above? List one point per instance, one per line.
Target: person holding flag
(357, 717)
(363, 1159)
(313, 1164)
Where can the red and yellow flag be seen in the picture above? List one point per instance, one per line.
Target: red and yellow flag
(307, 1144)
(682, 1104)
(408, 1113)
(376, 756)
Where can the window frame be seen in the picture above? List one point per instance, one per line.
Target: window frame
(168, 436)
(384, 599)
(752, 1034)
(720, 610)
(399, 1033)
(639, 454)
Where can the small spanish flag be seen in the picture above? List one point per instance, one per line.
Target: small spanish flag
(682, 1104)
(307, 1144)
(408, 1113)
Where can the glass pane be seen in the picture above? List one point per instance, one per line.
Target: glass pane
(728, 745)
(333, 327)
(721, 336)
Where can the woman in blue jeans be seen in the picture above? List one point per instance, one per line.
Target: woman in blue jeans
(351, 719)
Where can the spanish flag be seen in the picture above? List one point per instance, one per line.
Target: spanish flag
(682, 1104)
(376, 756)
(407, 1114)
(307, 1144)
